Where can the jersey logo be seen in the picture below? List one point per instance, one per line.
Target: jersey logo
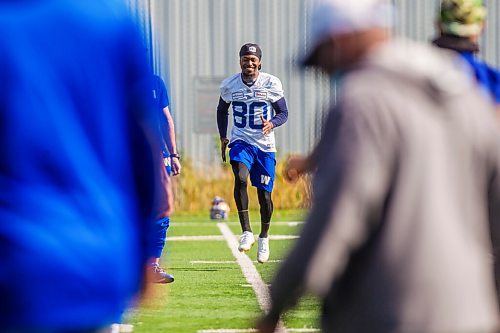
(238, 95)
(260, 94)
(265, 179)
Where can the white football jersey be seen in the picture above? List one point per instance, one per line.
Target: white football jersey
(248, 104)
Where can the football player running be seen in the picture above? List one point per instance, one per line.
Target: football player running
(253, 95)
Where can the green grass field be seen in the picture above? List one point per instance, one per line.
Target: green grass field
(210, 291)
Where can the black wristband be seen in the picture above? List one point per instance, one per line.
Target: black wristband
(176, 156)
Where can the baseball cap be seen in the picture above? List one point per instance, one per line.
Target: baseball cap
(251, 49)
(461, 18)
(335, 17)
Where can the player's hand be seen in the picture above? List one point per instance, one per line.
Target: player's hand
(295, 167)
(223, 146)
(176, 166)
(267, 126)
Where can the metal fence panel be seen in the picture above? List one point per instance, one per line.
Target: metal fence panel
(195, 45)
(200, 41)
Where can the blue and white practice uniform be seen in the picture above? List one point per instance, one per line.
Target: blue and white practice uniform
(249, 103)
(247, 142)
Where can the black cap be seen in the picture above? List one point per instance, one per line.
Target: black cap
(251, 49)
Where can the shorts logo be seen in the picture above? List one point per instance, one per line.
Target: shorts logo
(265, 179)
(238, 95)
(260, 94)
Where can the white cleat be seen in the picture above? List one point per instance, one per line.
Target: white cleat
(246, 241)
(263, 250)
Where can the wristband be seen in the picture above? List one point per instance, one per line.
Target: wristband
(176, 156)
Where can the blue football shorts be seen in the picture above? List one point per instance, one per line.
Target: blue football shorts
(262, 165)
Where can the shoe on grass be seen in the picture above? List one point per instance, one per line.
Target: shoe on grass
(246, 241)
(156, 274)
(263, 250)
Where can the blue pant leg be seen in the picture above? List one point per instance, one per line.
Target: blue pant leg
(158, 237)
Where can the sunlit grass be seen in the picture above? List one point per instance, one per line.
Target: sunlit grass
(215, 295)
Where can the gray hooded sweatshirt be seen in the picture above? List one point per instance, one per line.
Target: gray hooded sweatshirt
(403, 232)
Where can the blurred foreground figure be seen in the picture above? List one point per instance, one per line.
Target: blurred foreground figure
(460, 24)
(171, 165)
(408, 178)
(76, 168)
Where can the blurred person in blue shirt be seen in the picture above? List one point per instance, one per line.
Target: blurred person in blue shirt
(77, 173)
(172, 163)
(460, 24)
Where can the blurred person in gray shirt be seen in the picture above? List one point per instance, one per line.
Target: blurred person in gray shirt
(403, 233)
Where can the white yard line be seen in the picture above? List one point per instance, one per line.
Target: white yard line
(213, 262)
(277, 260)
(250, 286)
(248, 330)
(223, 261)
(212, 223)
(225, 330)
(282, 237)
(221, 238)
(249, 271)
(195, 238)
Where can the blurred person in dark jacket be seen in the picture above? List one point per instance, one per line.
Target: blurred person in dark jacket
(406, 207)
(77, 172)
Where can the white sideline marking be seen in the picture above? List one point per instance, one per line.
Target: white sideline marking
(249, 271)
(245, 330)
(220, 238)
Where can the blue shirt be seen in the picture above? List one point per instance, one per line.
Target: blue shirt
(161, 101)
(160, 94)
(487, 76)
(74, 166)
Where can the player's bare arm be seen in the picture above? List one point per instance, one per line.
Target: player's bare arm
(171, 143)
